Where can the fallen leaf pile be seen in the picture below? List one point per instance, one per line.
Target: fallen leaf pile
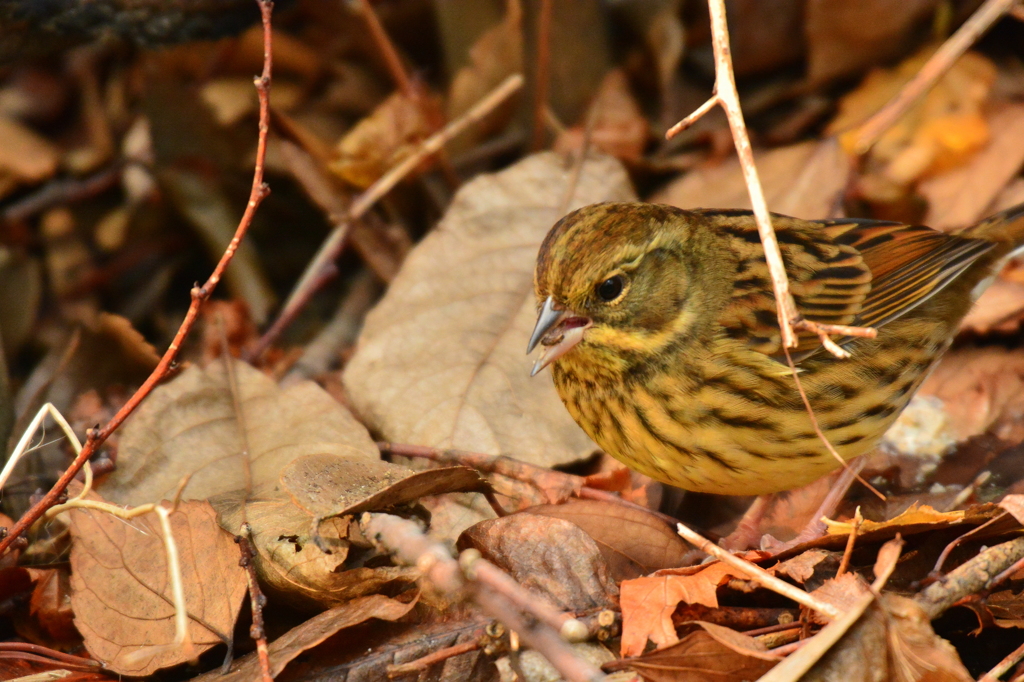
(231, 527)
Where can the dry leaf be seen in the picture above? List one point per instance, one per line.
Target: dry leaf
(981, 390)
(189, 427)
(1015, 505)
(1007, 608)
(496, 55)
(384, 138)
(801, 567)
(648, 603)
(804, 180)
(618, 126)
(120, 591)
(999, 310)
(634, 543)
(441, 361)
(908, 522)
(844, 37)
(285, 648)
(704, 652)
(24, 155)
(549, 556)
(960, 197)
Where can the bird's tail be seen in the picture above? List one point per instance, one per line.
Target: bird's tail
(1005, 227)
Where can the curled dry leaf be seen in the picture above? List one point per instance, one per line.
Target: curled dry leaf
(648, 602)
(441, 361)
(549, 556)
(804, 180)
(381, 140)
(916, 518)
(704, 652)
(634, 543)
(961, 196)
(120, 590)
(314, 631)
(1015, 505)
(801, 567)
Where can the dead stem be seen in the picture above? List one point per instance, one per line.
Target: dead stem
(1004, 665)
(96, 437)
(421, 665)
(980, 573)
(871, 130)
(410, 545)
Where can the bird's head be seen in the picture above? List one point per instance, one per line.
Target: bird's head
(616, 282)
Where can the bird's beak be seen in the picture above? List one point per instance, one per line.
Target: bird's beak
(558, 331)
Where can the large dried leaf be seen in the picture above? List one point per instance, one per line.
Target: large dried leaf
(705, 652)
(301, 638)
(120, 590)
(549, 556)
(961, 196)
(804, 180)
(441, 360)
(633, 542)
(190, 427)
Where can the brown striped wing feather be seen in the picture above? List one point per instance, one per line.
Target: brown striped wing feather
(850, 272)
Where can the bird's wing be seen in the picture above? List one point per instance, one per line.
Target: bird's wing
(849, 272)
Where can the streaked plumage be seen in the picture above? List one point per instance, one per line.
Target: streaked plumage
(682, 376)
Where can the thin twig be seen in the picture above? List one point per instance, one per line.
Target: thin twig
(542, 75)
(758, 574)
(421, 665)
(726, 95)
(256, 600)
(332, 246)
(851, 540)
(871, 130)
(410, 545)
(199, 296)
(396, 68)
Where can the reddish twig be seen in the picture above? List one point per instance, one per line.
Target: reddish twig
(421, 665)
(542, 75)
(396, 68)
(871, 130)
(96, 437)
(64, 191)
(256, 600)
(59, 658)
(941, 561)
(982, 572)
(410, 545)
(851, 540)
(726, 96)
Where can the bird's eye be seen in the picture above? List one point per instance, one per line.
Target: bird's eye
(611, 288)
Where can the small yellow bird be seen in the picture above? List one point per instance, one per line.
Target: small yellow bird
(660, 326)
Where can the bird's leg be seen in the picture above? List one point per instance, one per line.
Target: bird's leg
(748, 530)
(816, 527)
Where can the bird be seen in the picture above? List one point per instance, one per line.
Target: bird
(661, 331)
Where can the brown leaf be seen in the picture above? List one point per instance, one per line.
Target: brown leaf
(25, 155)
(648, 603)
(440, 361)
(961, 196)
(189, 427)
(804, 180)
(550, 556)
(704, 652)
(618, 126)
(496, 55)
(843, 38)
(980, 388)
(1007, 608)
(1015, 505)
(120, 591)
(999, 310)
(285, 648)
(801, 567)
(50, 605)
(842, 592)
(634, 543)
(384, 138)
